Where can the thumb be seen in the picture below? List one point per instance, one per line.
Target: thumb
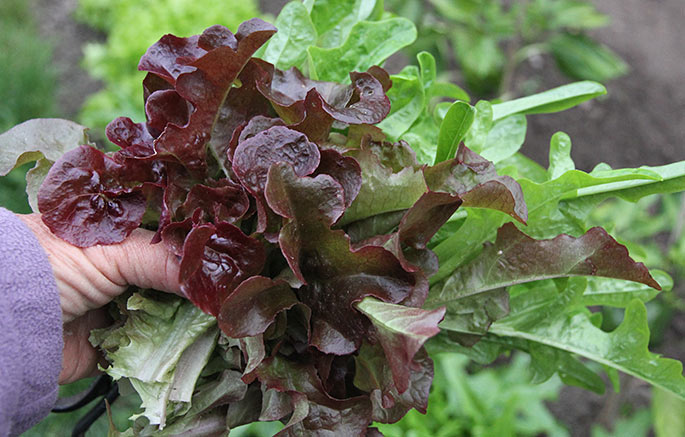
(137, 262)
(88, 278)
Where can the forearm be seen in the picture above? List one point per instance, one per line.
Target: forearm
(30, 328)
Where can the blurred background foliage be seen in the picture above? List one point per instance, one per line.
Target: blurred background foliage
(485, 41)
(27, 85)
(131, 27)
(477, 44)
(470, 400)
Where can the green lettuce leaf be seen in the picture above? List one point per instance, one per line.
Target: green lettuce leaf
(474, 294)
(296, 32)
(43, 140)
(334, 19)
(554, 100)
(407, 103)
(561, 321)
(368, 44)
(453, 129)
(162, 348)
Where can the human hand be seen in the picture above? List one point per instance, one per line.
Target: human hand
(88, 278)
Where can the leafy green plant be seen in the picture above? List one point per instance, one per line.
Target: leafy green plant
(131, 27)
(333, 233)
(637, 424)
(488, 40)
(482, 402)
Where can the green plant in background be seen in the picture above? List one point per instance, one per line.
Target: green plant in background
(13, 191)
(495, 401)
(637, 424)
(27, 88)
(488, 40)
(131, 27)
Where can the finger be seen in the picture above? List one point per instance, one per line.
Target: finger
(79, 357)
(137, 262)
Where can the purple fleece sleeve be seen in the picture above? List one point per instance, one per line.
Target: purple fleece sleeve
(30, 329)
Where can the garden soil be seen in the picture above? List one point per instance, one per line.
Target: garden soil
(640, 122)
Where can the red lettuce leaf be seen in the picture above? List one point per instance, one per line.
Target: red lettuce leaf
(312, 106)
(202, 72)
(163, 107)
(134, 138)
(224, 201)
(374, 376)
(87, 199)
(257, 124)
(287, 91)
(241, 105)
(253, 306)
(344, 170)
(325, 414)
(426, 217)
(335, 276)
(171, 56)
(476, 181)
(177, 182)
(336, 374)
(254, 156)
(401, 331)
(216, 259)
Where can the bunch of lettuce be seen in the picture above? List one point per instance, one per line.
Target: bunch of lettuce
(318, 254)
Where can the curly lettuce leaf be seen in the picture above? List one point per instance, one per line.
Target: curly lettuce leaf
(375, 375)
(383, 189)
(335, 275)
(162, 348)
(369, 43)
(314, 410)
(401, 331)
(43, 140)
(474, 293)
(86, 199)
(555, 206)
(562, 322)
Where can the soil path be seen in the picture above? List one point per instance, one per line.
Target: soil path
(56, 24)
(642, 120)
